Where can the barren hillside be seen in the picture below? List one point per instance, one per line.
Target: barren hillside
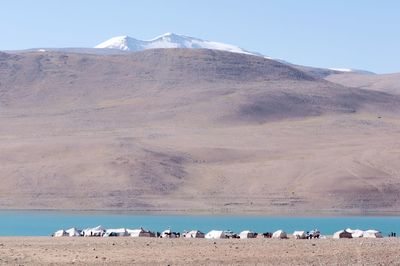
(192, 131)
(389, 83)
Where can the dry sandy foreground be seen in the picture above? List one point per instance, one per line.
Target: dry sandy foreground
(128, 251)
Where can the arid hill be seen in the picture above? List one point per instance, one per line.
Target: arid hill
(389, 83)
(191, 131)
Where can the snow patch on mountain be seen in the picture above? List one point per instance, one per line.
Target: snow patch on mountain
(121, 44)
(350, 70)
(169, 40)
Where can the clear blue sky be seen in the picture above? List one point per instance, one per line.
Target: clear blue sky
(363, 34)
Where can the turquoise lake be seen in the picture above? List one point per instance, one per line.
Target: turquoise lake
(44, 223)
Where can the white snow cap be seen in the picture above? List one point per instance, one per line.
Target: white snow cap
(169, 40)
(172, 40)
(342, 69)
(351, 70)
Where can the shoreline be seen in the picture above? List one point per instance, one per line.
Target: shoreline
(299, 213)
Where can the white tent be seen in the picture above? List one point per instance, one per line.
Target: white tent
(372, 234)
(73, 232)
(247, 234)
(140, 233)
(342, 234)
(60, 233)
(299, 234)
(279, 234)
(194, 234)
(135, 232)
(168, 234)
(356, 233)
(96, 231)
(215, 234)
(229, 234)
(116, 232)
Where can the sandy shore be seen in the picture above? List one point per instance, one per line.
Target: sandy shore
(128, 251)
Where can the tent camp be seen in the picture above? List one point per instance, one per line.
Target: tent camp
(168, 234)
(372, 234)
(279, 234)
(73, 232)
(247, 234)
(313, 234)
(115, 232)
(356, 233)
(215, 234)
(230, 234)
(60, 233)
(299, 234)
(264, 235)
(342, 234)
(96, 231)
(194, 234)
(140, 233)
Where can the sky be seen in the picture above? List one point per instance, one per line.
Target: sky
(360, 34)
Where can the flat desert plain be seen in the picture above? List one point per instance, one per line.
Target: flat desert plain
(134, 251)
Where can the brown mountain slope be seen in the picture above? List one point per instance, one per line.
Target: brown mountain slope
(389, 83)
(191, 130)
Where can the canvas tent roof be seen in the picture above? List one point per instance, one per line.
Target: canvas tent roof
(279, 234)
(60, 233)
(247, 234)
(194, 234)
(135, 232)
(355, 233)
(215, 234)
(73, 232)
(116, 232)
(168, 234)
(372, 234)
(342, 234)
(98, 228)
(299, 234)
(95, 231)
(140, 233)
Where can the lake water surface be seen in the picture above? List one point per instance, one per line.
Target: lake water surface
(44, 223)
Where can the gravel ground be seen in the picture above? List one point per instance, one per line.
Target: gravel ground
(146, 251)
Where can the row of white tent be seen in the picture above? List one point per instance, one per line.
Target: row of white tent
(213, 234)
(101, 231)
(357, 233)
(216, 234)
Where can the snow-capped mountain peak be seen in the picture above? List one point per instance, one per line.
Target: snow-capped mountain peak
(124, 43)
(171, 40)
(168, 40)
(167, 35)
